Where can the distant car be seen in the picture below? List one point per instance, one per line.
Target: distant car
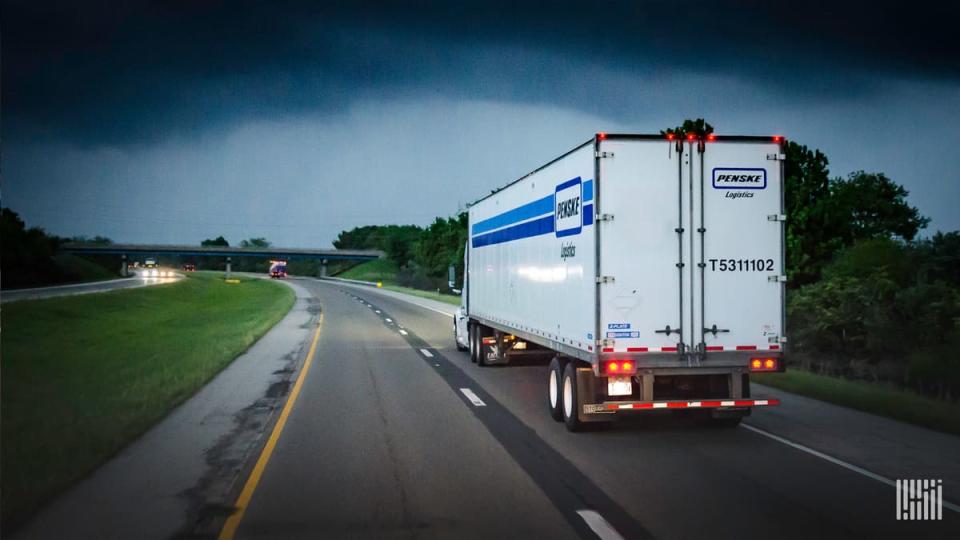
(188, 267)
(278, 269)
(150, 263)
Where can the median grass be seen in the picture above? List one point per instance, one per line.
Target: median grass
(82, 376)
(875, 398)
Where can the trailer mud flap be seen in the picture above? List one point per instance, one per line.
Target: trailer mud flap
(587, 390)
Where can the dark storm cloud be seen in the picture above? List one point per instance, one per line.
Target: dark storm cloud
(119, 73)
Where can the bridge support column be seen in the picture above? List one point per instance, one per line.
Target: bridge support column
(228, 267)
(124, 271)
(323, 268)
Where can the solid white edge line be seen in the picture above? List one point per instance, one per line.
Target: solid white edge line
(475, 399)
(598, 525)
(427, 353)
(835, 461)
(399, 296)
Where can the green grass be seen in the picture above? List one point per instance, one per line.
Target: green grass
(82, 376)
(447, 298)
(875, 398)
(383, 270)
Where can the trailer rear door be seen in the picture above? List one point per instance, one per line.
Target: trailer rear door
(737, 245)
(639, 216)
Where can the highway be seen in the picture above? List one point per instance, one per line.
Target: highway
(83, 288)
(394, 433)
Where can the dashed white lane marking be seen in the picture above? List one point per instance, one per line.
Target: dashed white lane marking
(376, 311)
(475, 399)
(427, 353)
(598, 525)
(388, 319)
(402, 331)
(835, 461)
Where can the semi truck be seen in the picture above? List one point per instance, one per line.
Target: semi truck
(648, 269)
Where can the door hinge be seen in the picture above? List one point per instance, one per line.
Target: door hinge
(601, 154)
(776, 157)
(774, 279)
(777, 217)
(605, 279)
(604, 217)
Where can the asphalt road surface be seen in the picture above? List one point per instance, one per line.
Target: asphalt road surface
(395, 434)
(83, 288)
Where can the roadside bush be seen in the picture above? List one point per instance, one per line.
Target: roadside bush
(878, 315)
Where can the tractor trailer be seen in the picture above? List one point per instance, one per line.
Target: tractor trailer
(649, 269)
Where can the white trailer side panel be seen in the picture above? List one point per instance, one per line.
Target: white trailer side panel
(532, 253)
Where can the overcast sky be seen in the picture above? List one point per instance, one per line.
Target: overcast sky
(175, 123)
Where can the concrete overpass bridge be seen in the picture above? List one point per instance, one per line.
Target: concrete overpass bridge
(156, 250)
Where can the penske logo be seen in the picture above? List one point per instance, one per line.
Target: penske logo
(729, 178)
(567, 212)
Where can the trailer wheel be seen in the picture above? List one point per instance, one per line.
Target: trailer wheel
(472, 341)
(456, 339)
(571, 399)
(482, 332)
(555, 388)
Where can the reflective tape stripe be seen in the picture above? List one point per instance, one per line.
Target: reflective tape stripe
(690, 404)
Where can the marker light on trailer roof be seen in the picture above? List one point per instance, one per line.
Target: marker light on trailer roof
(711, 137)
(669, 136)
(691, 137)
(777, 138)
(601, 136)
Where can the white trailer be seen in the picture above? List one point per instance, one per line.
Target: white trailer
(650, 269)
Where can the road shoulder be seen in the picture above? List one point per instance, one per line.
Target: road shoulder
(182, 475)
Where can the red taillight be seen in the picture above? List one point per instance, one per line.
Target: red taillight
(764, 364)
(619, 367)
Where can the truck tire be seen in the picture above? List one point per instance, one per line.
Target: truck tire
(482, 332)
(457, 341)
(570, 398)
(555, 388)
(472, 341)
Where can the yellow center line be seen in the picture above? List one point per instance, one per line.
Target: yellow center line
(230, 527)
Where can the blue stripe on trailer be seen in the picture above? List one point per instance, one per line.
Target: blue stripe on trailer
(528, 229)
(587, 214)
(520, 213)
(587, 192)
